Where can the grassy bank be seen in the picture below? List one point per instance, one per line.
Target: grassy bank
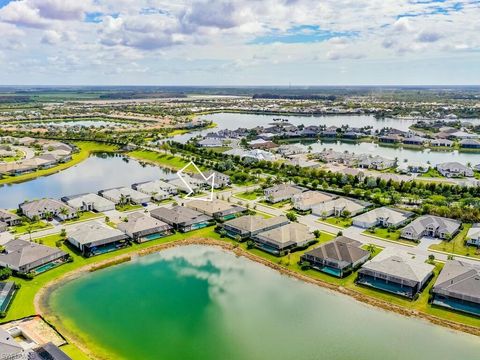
(169, 161)
(86, 148)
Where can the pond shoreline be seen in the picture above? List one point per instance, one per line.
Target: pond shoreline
(41, 300)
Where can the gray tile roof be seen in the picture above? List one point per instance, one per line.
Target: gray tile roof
(440, 223)
(252, 223)
(179, 215)
(399, 264)
(19, 253)
(141, 223)
(292, 233)
(95, 232)
(460, 280)
(342, 249)
(8, 346)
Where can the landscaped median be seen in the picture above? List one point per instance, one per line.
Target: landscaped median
(86, 148)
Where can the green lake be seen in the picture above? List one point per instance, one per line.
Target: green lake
(199, 302)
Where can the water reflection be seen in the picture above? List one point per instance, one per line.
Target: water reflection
(98, 172)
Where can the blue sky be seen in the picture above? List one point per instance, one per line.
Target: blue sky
(240, 42)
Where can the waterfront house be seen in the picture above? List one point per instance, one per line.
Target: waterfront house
(460, 134)
(431, 226)
(288, 150)
(281, 192)
(441, 143)
(211, 142)
(415, 140)
(9, 218)
(454, 169)
(396, 272)
(375, 162)
(390, 139)
(338, 257)
(304, 201)
(155, 187)
(48, 351)
(414, 167)
(221, 180)
(182, 218)
(47, 208)
(25, 256)
(473, 235)
(250, 225)
(284, 238)
(89, 202)
(7, 290)
(384, 217)
(95, 238)
(10, 348)
(193, 184)
(141, 227)
(340, 207)
(458, 287)
(470, 144)
(125, 195)
(218, 209)
(262, 144)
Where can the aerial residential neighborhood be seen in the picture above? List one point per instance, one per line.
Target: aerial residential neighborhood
(227, 179)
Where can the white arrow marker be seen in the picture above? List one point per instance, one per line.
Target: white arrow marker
(209, 180)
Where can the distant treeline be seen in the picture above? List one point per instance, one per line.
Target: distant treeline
(140, 95)
(14, 99)
(294, 97)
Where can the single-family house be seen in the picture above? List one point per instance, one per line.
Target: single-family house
(7, 291)
(26, 256)
(211, 142)
(9, 218)
(441, 143)
(141, 227)
(10, 348)
(338, 257)
(383, 217)
(47, 208)
(182, 218)
(95, 238)
(340, 206)
(470, 144)
(221, 180)
(284, 238)
(473, 235)
(247, 226)
(281, 192)
(218, 209)
(89, 202)
(396, 272)
(458, 287)
(454, 169)
(415, 140)
(156, 188)
(304, 201)
(431, 226)
(192, 184)
(125, 195)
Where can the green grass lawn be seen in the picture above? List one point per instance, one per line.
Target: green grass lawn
(220, 149)
(85, 149)
(279, 205)
(432, 173)
(83, 216)
(457, 244)
(165, 160)
(338, 221)
(27, 226)
(127, 207)
(248, 195)
(392, 235)
(376, 250)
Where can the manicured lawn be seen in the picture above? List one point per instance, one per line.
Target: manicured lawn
(278, 205)
(392, 235)
(165, 160)
(127, 207)
(26, 227)
(220, 149)
(338, 221)
(248, 195)
(432, 173)
(85, 149)
(376, 250)
(457, 244)
(83, 216)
